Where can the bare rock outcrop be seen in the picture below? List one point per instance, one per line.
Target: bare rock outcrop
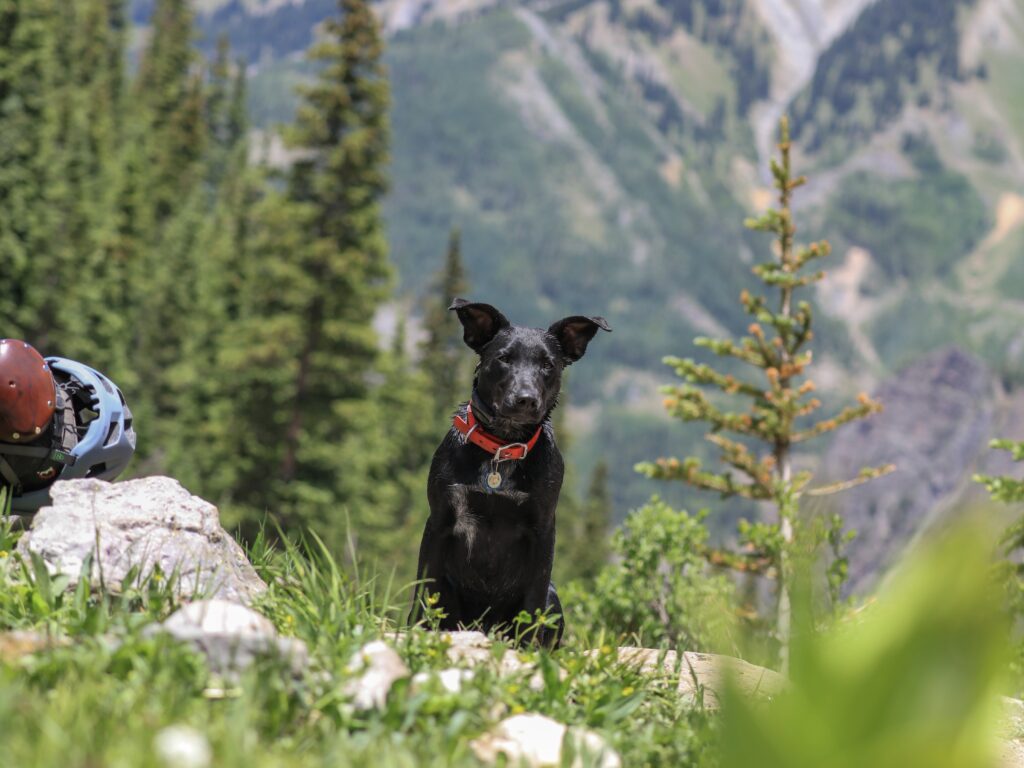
(148, 523)
(939, 416)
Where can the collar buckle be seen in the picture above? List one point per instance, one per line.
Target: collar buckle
(499, 455)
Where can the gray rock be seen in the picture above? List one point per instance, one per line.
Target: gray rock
(232, 636)
(378, 667)
(148, 522)
(538, 741)
(938, 419)
(450, 680)
(701, 677)
(18, 643)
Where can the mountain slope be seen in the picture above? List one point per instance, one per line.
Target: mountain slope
(600, 156)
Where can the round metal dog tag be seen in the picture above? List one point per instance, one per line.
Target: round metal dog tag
(494, 479)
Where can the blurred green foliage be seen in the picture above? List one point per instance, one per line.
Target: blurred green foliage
(909, 680)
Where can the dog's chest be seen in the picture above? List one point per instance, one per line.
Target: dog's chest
(490, 524)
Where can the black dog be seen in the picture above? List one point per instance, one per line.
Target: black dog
(489, 542)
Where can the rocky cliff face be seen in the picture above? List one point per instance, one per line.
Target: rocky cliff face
(939, 417)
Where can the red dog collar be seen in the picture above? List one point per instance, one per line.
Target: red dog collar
(470, 427)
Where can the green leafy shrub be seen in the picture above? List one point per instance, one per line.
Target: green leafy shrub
(658, 589)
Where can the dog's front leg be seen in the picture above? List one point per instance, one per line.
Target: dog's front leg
(430, 573)
(539, 596)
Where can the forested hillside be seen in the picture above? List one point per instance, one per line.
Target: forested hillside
(599, 156)
(136, 235)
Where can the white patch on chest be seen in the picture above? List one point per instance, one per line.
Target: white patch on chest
(466, 525)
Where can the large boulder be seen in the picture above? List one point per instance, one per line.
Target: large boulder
(146, 523)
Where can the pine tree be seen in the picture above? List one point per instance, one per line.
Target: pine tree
(168, 89)
(597, 522)
(442, 359)
(92, 314)
(169, 126)
(568, 528)
(584, 529)
(386, 456)
(764, 437)
(304, 346)
(342, 132)
(28, 42)
(217, 260)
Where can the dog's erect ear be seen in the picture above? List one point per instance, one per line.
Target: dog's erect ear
(480, 322)
(574, 333)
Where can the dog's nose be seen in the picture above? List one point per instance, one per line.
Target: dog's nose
(527, 401)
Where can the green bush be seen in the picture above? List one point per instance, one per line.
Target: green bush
(657, 590)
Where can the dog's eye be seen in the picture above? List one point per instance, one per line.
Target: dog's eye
(504, 358)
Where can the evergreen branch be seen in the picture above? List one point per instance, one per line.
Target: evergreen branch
(813, 251)
(739, 456)
(1015, 448)
(691, 404)
(689, 472)
(753, 305)
(769, 357)
(866, 475)
(745, 352)
(808, 408)
(769, 221)
(787, 279)
(1004, 489)
(757, 563)
(865, 408)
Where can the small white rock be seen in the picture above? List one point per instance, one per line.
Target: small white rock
(381, 666)
(220, 617)
(536, 741)
(181, 746)
(451, 679)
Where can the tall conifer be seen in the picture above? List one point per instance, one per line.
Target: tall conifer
(341, 131)
(757, 445)
(28, 31)
(317, 272)
(443, 360)
(169, 93)
(92, 314)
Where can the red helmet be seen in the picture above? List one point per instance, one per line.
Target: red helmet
(28, 393)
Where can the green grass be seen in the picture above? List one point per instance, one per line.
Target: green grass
(909, 680)
(1011, 284)
(105, 690)
(1004, 72)
(698, 74)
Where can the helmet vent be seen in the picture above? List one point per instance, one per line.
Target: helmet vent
(112, 434)
(97, 469)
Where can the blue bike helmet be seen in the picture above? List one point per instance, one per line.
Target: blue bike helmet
(102, 435)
